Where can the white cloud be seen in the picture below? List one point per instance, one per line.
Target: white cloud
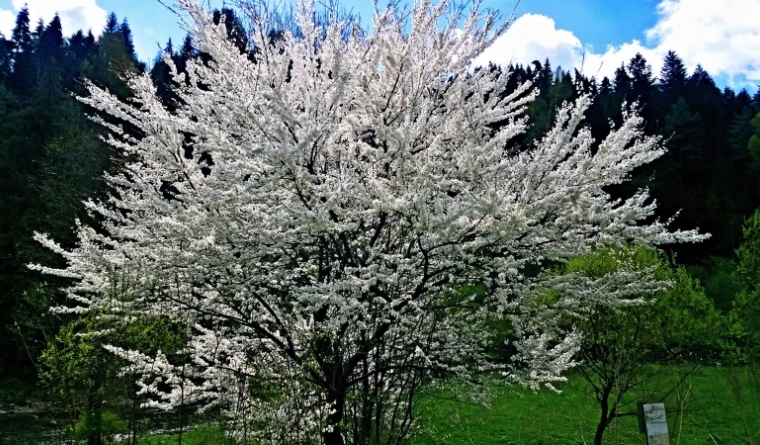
(605, 64)
(534, 37)
(7, 21)
(74, 14)
(724, 37)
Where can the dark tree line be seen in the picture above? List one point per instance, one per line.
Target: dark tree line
(709, 176)
(52, 159)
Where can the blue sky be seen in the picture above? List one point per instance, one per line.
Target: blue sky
(595, 35)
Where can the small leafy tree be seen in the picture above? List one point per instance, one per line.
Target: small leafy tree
(747, 303)
(623, 336)
(742, 348)
(86, 380)
(75, 368)
(312, 208)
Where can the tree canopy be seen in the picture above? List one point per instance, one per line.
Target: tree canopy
(312, 208)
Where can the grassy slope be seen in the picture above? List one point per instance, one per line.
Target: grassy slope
(199, 436)
(711, 410)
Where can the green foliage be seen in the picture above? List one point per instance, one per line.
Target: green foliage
(681, 320)
(745, 313)
(606, 260)
(684, 132)
(678, 325)
(86, 381)
(15, 391)
(51, 160)
(688, 320)
(101, 424)
(75, 367)
(749, 254)
(717, 275)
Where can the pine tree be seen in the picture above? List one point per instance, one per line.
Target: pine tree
(673, 76)
(605, 87)
(642, 82)
(22, 35)
(113, 60)
(51, 41)
(621, 82)
(23, 75)
(233, 26)
(741, 129)
(112, 24)
(126, 35)
(6, 58)
(162, 77)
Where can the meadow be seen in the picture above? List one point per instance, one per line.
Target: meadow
(714, 406)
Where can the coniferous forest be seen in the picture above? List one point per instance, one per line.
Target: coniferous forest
(53, 158)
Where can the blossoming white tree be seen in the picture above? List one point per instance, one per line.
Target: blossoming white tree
(329, 201)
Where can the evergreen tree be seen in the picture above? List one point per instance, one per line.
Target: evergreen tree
(682, 164)
(673, 77)
(22, 76)
(13, 204)
(621, 88)
(705, 98)
(81, 48)
(112, 24)
(753, 146)
(6, 58)
(52, 160)
(621, 82)
(51, 40)
(234, 26)
(126, 35)
(740, 133)
(605, 87)
(743, 100)
(604, 107)
(22, 36)
(113, 61)
(186, 53)
(642, 91)
(49, 53)
(642, 82)
(563, 89)
(545, 78)
(161, 74)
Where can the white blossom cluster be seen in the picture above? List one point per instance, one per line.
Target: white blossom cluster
(331, 195)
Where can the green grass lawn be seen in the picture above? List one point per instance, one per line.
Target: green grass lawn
(197, 436)
(714, 406)
(708, 409)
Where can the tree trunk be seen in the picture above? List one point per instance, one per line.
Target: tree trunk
(366, 405)
(334, 435)
(604, 418)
